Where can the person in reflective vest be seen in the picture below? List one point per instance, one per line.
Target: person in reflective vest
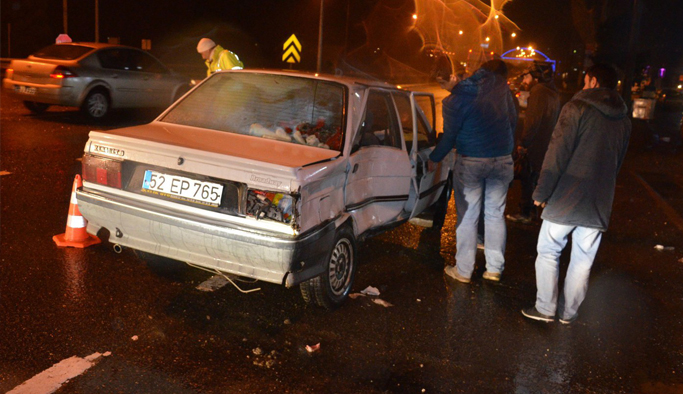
(216, 57)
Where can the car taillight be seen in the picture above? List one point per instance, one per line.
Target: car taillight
(61, 72)
(102, 171)
(269, 205)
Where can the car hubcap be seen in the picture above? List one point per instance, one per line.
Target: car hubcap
(97, 105)
(341, 264)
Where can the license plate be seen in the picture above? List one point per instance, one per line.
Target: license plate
(24, 89)
(182, 188)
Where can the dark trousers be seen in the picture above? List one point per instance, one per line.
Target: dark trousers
(528, 181)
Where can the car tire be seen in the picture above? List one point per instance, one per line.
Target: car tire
(332, 288)
(36, 108)
(96, 104)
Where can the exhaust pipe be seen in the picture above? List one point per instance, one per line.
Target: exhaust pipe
(118, 248)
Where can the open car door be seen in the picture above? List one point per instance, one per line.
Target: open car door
(427, 186)
(380, 172)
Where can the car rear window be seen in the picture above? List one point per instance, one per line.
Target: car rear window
(290, 109)
(62, 52)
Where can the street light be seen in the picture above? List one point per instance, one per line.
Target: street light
(320, 39)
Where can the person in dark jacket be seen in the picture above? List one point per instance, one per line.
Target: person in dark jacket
(543, 109)
(479, 121)
(576, 186)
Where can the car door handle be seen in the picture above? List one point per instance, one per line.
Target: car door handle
(355, 168)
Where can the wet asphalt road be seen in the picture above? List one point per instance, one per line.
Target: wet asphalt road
(438, 337)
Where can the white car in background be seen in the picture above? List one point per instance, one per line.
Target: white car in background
(273, 176)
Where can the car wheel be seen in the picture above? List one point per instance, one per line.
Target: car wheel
(331, 289)
(36, 108)
(96, 104)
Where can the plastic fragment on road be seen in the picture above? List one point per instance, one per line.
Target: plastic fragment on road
(213, 283)
(381, 302)
(663, 248)
(134, 338)
(353, 296)
(314, 348)
(371, 291)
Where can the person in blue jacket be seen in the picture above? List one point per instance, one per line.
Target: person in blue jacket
(479, 122)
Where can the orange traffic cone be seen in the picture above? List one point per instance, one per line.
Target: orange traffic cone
(75, 235)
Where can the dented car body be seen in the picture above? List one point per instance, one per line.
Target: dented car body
(268, 175)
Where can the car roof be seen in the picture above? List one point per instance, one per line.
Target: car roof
(96, 45)
(352, 82)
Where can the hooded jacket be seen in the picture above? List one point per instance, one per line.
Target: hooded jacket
(585, 154)
(479, 118)
(222, 59)
(543, 109)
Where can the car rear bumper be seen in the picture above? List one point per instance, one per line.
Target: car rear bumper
(48, 94)
(224, 247)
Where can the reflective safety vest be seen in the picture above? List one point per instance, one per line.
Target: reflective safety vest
(222, 59)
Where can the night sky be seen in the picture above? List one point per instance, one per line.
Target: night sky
(256, 29)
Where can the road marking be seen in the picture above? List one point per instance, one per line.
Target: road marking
(671, 213)
(50, 380)
(213, 283)
(2, 173)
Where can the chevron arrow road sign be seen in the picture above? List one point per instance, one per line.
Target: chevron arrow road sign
(292, 50)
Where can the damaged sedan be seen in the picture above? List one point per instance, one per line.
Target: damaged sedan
(269, 175)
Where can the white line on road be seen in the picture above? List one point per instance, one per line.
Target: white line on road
(53, 378)
(2, 173)
(213, 283)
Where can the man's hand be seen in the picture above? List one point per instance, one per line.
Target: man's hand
(539, 204)
(448, 84)
(431, 166)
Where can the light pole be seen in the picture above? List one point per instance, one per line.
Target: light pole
(320, 39)
(64, 13)
(97, 20)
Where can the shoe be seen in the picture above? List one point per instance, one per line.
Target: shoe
(533, 314)
(570, 320)
(480, 245)
(519, 218)
(452, 271)
(492, 276)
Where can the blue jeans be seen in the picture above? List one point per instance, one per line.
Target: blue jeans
(475, 181)
(551, 241)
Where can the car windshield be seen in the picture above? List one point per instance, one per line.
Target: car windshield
(62, 52)
(286, 108)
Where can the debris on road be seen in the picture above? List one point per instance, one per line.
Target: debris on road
(662, 248)
(353, 296)
(680, 260)
(314, 348)
(381, 302)
(371, 291)
(134, 338)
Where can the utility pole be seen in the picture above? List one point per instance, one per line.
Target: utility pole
(631, 54)
(65, 19)
(320, 39)
(97, 20)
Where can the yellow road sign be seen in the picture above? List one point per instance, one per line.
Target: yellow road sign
(292, 50)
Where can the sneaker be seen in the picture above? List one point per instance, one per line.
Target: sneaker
(570, 320)
(453, 273)
(533, 314)
(519, 218)
(492, 276)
